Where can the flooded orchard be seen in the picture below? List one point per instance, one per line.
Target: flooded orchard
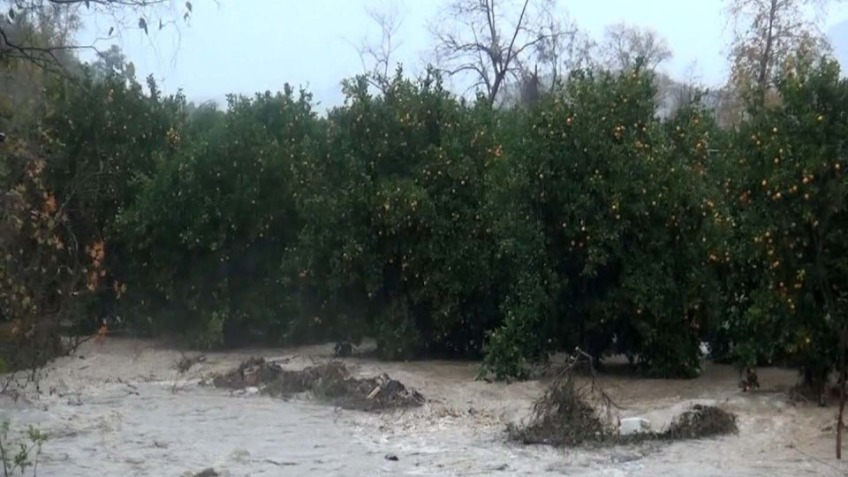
(122, 408)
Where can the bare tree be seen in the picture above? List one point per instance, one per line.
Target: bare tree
(624, 45)
(678, 94)
(23, 44)
(766, 33)
(376, 57)
(489, 40)
(561, 48)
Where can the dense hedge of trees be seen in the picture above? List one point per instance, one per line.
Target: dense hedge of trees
(439, 226)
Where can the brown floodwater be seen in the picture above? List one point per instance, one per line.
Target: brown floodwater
(123, 410)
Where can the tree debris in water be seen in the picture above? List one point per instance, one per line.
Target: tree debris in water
(329, 382)
(569, 414)
(565, 415)
(700, 422)
(185, 363)
(208, 472)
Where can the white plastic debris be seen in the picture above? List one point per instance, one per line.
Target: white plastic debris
(633, 425)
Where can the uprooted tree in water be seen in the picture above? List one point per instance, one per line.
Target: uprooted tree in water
(576, 411)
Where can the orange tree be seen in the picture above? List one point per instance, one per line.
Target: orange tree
(397, 239)
(625, 228)
(789, 196)
(529, 284)
(46, 271)
(211, 224)
(696, 145)
(109, 135)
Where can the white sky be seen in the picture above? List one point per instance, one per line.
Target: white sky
(245, 46)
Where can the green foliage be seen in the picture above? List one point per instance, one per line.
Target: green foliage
(444, 228)
(18, 456)
(42, 270)
(108, 137)
(208, 230)
(789, 201)
(611, 190)
(403, 240)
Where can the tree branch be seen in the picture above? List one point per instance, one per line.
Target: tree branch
(45, 56)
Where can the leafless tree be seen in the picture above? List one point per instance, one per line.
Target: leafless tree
(624, 45)
(490, 40)
(376, 57)
(562, 47)
(677, 94)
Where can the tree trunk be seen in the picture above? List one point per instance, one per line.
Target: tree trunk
(762, 77)
(840, 423)
(501, 65)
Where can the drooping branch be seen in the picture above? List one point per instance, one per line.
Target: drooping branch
(40, 32)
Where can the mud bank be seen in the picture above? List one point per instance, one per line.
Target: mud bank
(123, 408)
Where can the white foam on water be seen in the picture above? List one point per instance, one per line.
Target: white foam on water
(122, 412)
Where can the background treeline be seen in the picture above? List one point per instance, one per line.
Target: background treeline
(441, 226)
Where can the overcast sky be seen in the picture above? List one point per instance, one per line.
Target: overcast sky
(245, 46)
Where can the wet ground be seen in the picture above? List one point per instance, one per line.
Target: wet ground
(123, 409)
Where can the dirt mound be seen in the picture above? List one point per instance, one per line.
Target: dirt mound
(569, 415)
(700, 422)
(330, 382)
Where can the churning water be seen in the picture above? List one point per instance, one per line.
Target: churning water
(124, 411)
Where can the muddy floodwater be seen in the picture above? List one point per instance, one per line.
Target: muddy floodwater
(121, 408)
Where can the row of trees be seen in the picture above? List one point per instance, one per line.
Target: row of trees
(444, 227)
(439, 225)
